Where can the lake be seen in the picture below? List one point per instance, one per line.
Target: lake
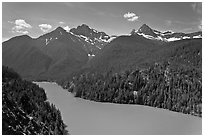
(84, 117)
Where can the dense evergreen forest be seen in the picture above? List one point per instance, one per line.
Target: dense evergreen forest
(25, 109)
(162, 85)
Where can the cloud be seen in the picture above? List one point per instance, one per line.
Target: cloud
(130, 16)
(67, 28)
(19, 30)
(197, 7)
(45, 27)
(133, 18)
(22, 31)
(22, 23)
(20, 26)
(61, 23)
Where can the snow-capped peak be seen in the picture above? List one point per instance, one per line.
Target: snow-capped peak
(166, 36)
(91, 35)
(146, 30)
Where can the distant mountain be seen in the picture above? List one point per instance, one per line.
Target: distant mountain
(60, 53)
(21, 54)
(50, 56)
(144, 29)
(166, 36)
(97, 39)
(125, 52)
(130, 52)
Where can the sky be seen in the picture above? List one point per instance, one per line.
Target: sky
(35, 19)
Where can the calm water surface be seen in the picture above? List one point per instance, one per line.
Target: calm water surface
(88, 117)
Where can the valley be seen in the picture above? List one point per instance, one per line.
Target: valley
(98, 68)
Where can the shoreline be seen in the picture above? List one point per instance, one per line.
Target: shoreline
(111, 103)
(85, 117)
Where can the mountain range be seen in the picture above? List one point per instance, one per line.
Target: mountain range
(166, 36)
(61, 53)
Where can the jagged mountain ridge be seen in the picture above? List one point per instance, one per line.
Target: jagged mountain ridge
(61, 35)
(91, 33)
(129, 52)
(92, 40)
(51, 55)
(166, 36)
(97, 39)
(60, 53)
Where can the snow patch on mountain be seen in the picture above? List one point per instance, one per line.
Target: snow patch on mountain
(46, 41)
(146, 36)
(196, 37)
(173, 39)
(85, 38)
(112, 38)
(90, 35)
(166, 36)
(186, 37)
(168, 32)
(95, 31)
(91, 55)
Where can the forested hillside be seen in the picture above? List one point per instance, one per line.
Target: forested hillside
(129, 52)
(162, 85)
(25, 109)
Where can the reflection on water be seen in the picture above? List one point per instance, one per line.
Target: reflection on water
(88, 117)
